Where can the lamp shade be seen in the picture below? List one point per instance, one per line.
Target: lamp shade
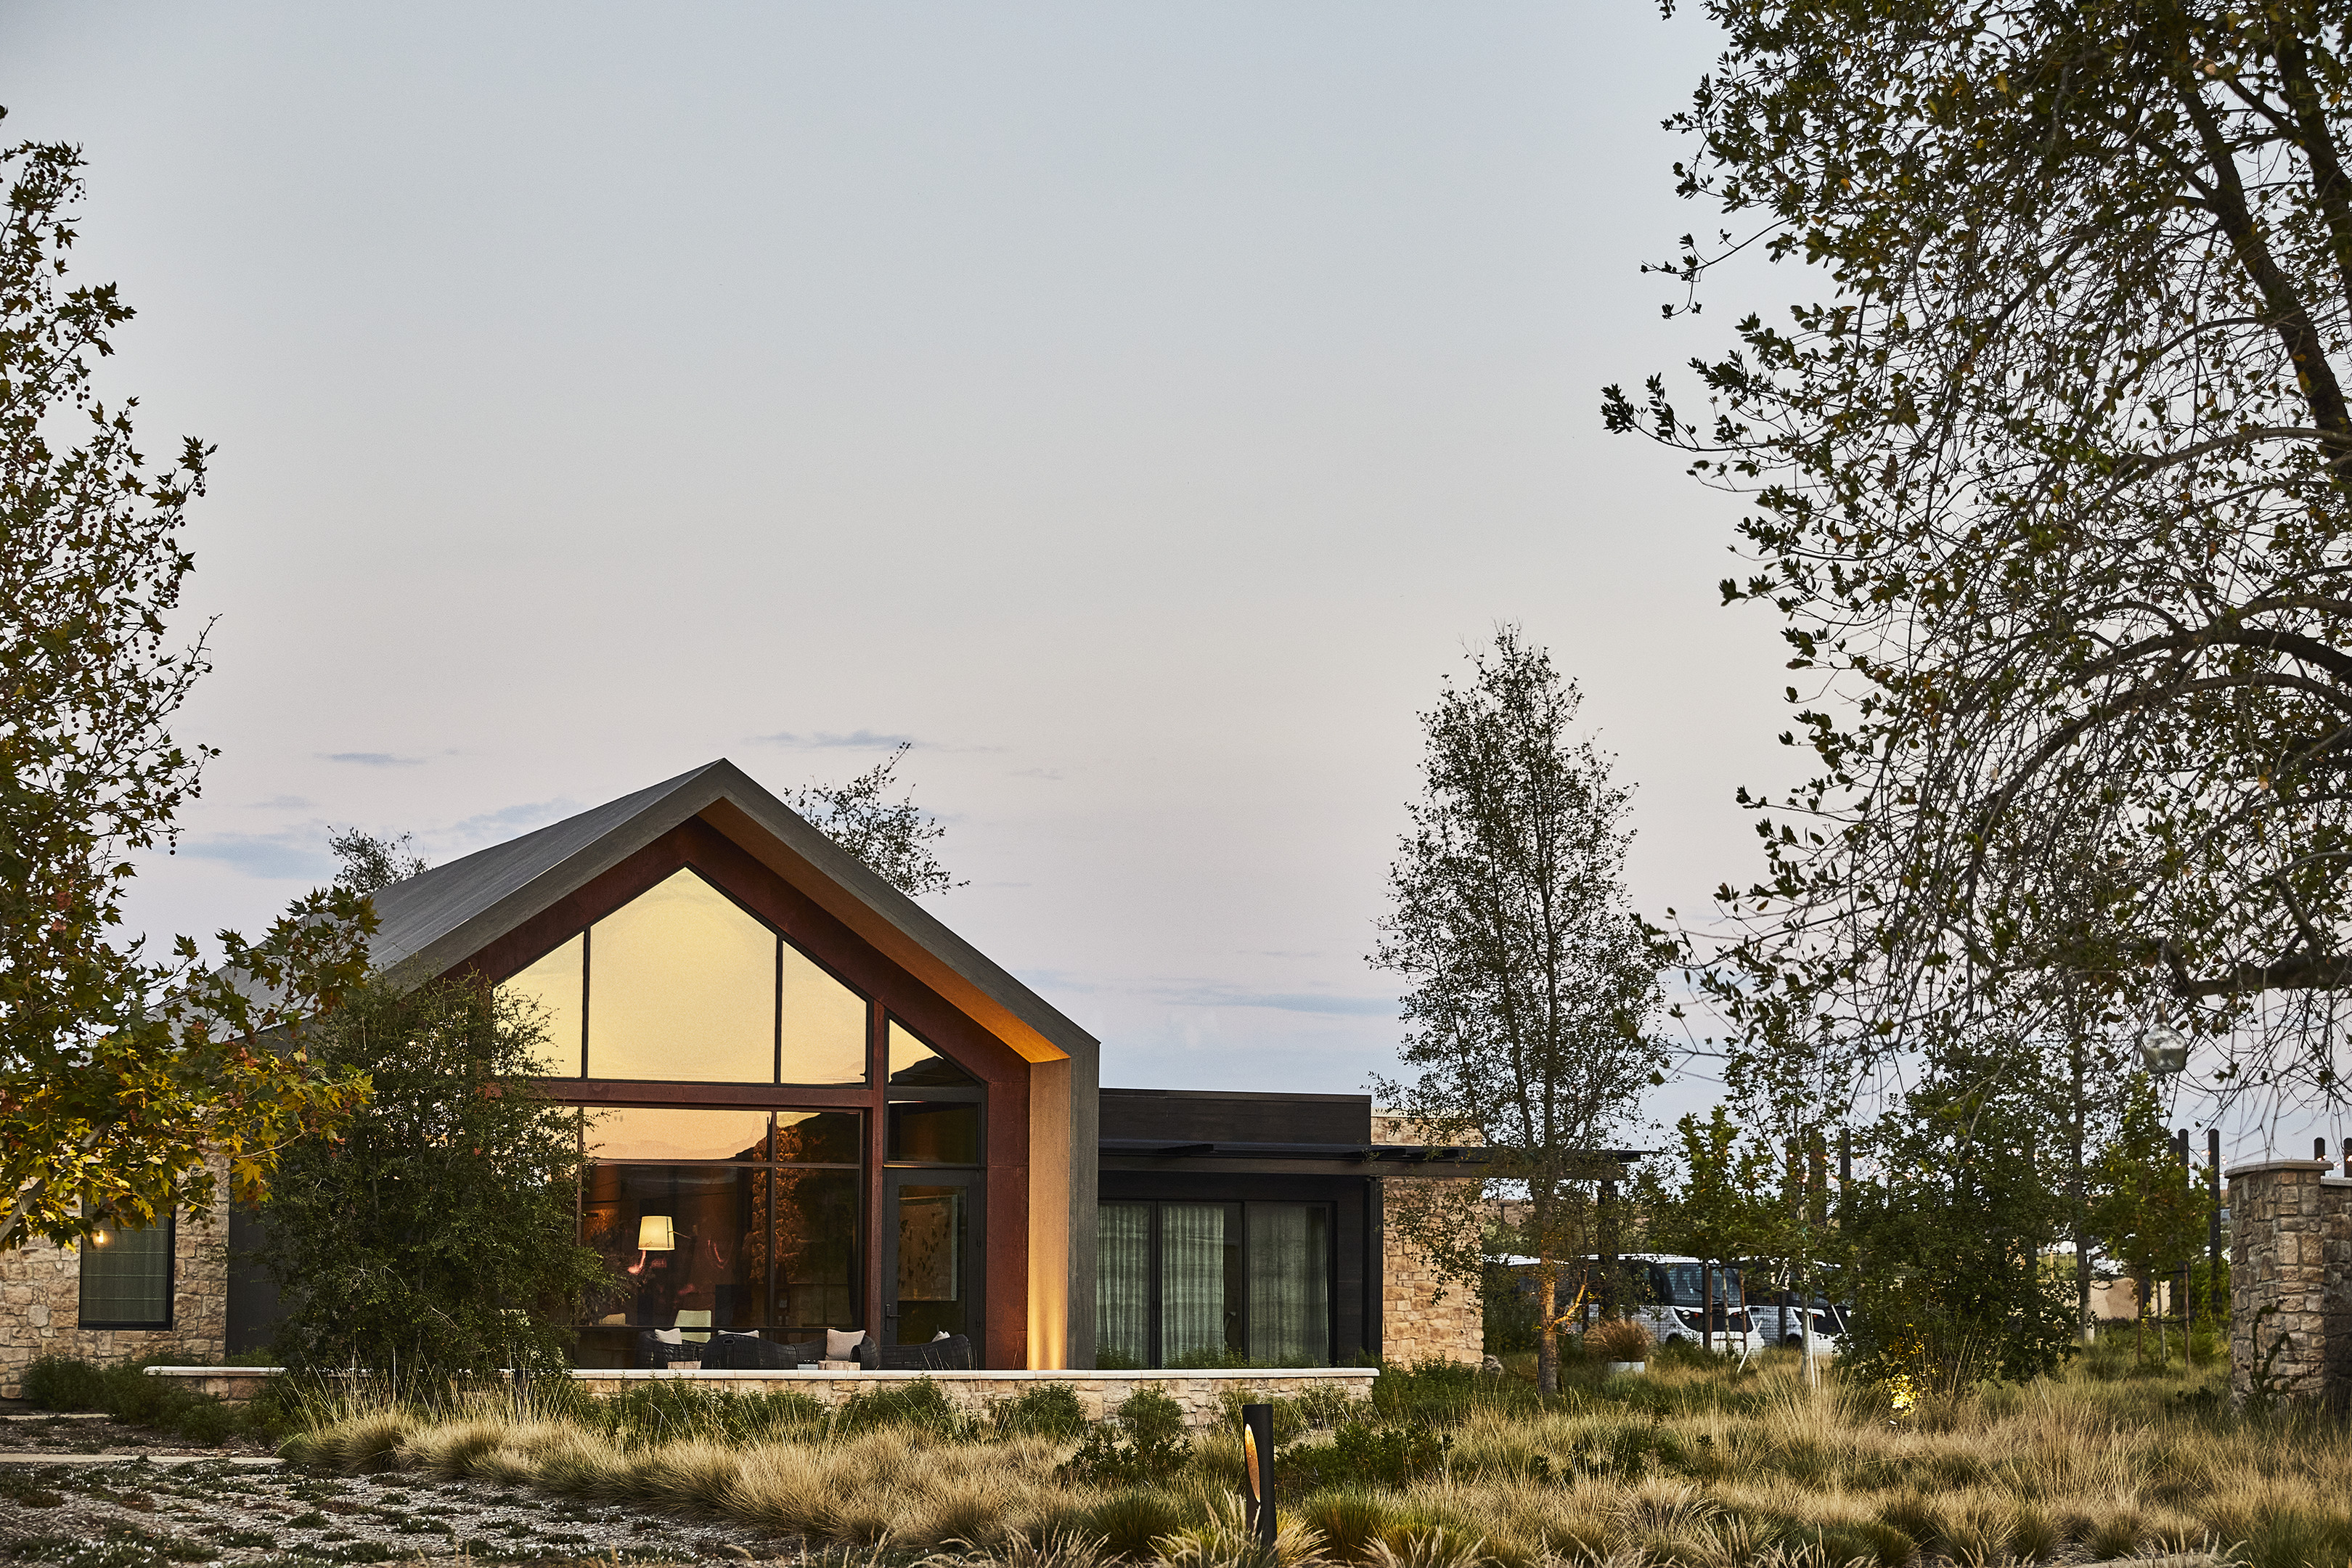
(654, 1233)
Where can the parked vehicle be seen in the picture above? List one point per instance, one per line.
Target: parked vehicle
(1781, 1321)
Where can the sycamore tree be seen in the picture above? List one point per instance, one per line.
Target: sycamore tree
(885, 830)
(1534, 985)
(2049, 473)
(122, 1073)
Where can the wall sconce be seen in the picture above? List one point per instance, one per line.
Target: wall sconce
(655, 1235)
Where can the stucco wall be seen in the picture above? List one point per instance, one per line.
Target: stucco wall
(40, 1304)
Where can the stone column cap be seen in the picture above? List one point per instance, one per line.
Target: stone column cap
(2263, 1167)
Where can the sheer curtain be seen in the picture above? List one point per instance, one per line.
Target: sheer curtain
(1191, 1280)
(1123, 1285)
(1290, 1284)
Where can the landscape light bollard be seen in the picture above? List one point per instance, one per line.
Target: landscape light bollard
(1257, 1470)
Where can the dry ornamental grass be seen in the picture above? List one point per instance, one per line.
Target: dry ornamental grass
(1698, 1464)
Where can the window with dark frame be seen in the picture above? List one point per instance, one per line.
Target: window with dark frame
(752, 1226)
(126, 1276)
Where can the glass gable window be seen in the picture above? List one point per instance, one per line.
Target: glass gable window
(126, 1278)
(682, 984)
(1195, 1284)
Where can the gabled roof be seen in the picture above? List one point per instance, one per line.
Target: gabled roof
(437, 920)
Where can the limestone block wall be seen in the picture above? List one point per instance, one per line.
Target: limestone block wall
(1423, 1316)
(40, 1304)
(2279, 1230)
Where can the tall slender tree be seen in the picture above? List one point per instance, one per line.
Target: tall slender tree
(1533, 982)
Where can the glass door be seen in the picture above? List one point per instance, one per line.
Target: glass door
(931, 1247)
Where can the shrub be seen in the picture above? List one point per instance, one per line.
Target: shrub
(62, 1383)
(1360, 1454)
(922, 1403)
(1620, 1339)
(127, 1393)
(1143, 1441)
(1042, 1410)
(1150, 1416)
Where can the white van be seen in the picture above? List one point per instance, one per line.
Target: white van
(1665, 1295)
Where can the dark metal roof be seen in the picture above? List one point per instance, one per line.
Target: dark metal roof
(437, 920)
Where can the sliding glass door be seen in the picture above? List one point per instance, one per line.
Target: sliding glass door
(1207, 1284)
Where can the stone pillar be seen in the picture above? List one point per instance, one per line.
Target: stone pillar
(2335, 1285)
(2278, 1280)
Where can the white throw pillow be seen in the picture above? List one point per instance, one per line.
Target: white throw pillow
(670, 1336)
(841, 1346)
(942, 1335)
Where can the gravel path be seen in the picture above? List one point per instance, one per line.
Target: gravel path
(143, 1515)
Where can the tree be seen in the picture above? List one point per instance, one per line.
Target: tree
(1723, 1207)
(2147, 1213)
(1943, 1247)
(1533, 981)
(2050, 482)
(373, 863)
(891, 837)
(121, 1076)
(437, 1230)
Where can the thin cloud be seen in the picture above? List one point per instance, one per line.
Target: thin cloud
(1052, 773)
(1211, 995)
(510, 821)
(372, 759)
(278, 857)
(826, 741)
(280, 803)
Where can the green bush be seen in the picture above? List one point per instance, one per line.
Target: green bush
(128, 1395)
(61, 1382)
(1042, 1410)
(1149, 1416)
(922, 1403)
(1361, 1455)
(1144, 1441)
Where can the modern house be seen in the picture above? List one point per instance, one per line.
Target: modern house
(815, 1105)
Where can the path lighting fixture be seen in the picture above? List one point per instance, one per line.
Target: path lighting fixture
(2164, 1051)
(655, 1235)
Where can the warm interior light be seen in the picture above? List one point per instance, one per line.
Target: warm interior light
(99, 1238)
(654, 1233)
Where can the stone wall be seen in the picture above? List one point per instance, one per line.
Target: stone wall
(1423, 1317)
(40, 1303)
(2279, 1229)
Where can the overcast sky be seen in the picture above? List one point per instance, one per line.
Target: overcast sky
(1139, 407)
